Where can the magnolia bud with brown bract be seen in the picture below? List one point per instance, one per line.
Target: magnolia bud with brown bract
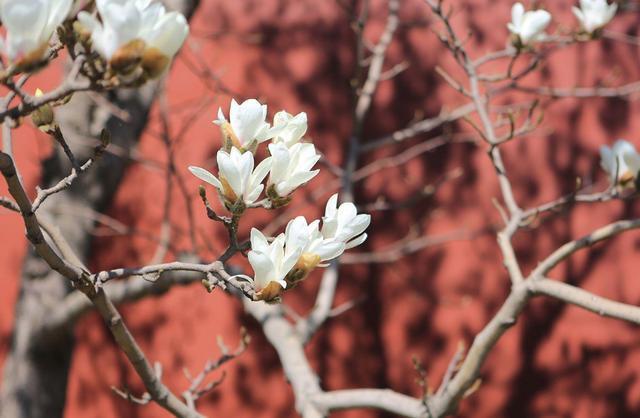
(230, 198)
(306, 263)
(154, 62)
(276, 200)
(271, 293)
(43, 116)
(627, 179)
(208, 285)
(229, 138)
(128, 57)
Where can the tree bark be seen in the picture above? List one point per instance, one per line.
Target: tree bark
(36, 370)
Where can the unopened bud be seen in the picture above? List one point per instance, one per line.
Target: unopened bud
(43, 116)
(208, 285)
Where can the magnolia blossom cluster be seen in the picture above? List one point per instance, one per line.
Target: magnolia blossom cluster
(529, 26)
(282, 262)
(621, 162)
(292, 255)
(127, 34)
(132, 34)
(289, 165)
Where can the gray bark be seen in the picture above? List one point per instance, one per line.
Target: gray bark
(36, 370)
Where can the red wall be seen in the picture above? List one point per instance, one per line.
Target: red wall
(557, 361)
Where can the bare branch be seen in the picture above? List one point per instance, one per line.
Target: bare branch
(584, 299)
(420, 127)
(593, 238)
(196, 389)
(383, 399)
(82, 281)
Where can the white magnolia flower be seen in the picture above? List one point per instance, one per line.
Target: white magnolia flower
(164, 33)
(29, 26)
(313, 247)
(130, 32)
(594, 14)
(121, 22)
(528, 26)
(299, 234)
(291, 128)
(291, 168)
(270, 264)
(247, 126)
(238, 183)
(621, 162)
(344, 224)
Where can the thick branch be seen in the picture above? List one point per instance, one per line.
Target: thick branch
(383, 399)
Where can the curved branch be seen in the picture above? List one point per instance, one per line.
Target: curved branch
(383, 399)
(584, 299)
(571, 247)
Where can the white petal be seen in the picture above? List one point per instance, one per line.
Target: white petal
(259, 241)
(221, 118)
(290, 260)
(517, 12)
(534, 24)
(252, 194)
(330, 250)
(280, 163)
(262, 170)
(206, 176)
(632, 160)
(171, 32)
(329, 227)
(297, 234)
(263, 268)
(355, 242)
(245, 166)
(230, 171)
(247, 119)
(346, 213)
(359, 224)
(331, 207)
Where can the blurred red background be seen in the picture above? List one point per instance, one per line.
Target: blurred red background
(557, 361)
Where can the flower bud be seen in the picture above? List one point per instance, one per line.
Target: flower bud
(43, 116)
(271, 293)
(208, 285)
